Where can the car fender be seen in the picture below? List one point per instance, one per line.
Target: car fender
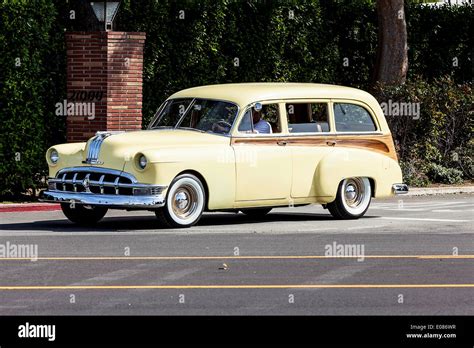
(70, 155)
(215, 164)
(345, 163)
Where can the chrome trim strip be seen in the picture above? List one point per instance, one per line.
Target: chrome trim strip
(74, 182)
(86, 182)
(101, 184)
(109, 201)
(116, 185)
(400, 189)
(95, 145)
(63, 180)
(185, 113)
(360, 133)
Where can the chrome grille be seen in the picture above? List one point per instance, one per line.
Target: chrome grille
(94, 180)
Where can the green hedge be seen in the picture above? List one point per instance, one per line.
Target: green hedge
(201, 49)
(32, 79)
(437, 144)
(270, 46)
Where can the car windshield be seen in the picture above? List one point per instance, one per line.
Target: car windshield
(196, 114)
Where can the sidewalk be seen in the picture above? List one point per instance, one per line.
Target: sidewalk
(439, 190)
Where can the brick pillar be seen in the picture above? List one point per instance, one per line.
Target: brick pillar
(104, 74)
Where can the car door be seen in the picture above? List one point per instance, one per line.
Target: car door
(263, 160)
(311, 137)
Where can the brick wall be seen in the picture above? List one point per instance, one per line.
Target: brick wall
(104, 69)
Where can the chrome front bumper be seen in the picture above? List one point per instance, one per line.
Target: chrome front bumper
(399, 189)
(109, 201)
(105, 187)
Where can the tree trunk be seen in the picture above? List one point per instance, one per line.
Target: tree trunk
(392, 52)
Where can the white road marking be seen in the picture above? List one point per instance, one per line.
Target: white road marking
(412, 207)
(428, 202)
(338, 274)
(113, 276)
(422, 219)
(451, 210)
(364, 227)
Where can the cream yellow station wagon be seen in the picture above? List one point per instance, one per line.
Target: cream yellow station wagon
(245, 147)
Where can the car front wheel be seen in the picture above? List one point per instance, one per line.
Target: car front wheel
(352, 199)
(185, 202)
(84, 215)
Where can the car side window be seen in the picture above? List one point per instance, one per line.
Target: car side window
(352, 118)
(271, 114)
(246, 125)
(307, 117)
(266, 121)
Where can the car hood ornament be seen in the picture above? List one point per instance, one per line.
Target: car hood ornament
(94, 146)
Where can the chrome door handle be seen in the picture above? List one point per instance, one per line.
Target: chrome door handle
(282, 142)
(331, 142)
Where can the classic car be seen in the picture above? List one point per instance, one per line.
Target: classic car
(246, 148)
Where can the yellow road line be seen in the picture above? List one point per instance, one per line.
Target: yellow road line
(256, 286)
(255, 257)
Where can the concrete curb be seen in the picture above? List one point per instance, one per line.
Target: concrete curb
(443, 190)
(17, 207)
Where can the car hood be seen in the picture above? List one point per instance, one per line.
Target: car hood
(117, 149)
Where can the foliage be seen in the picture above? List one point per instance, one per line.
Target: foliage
(30, 67)
(322, 41)
(325, 41)
(442, 133)
(438, 173)
(440, 41)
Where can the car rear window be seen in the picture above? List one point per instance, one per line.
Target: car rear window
(352, 118)
(307, 117)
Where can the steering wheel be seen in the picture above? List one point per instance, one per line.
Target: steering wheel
(221, 126)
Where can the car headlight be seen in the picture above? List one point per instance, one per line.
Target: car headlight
(54, 156)
(142, 161)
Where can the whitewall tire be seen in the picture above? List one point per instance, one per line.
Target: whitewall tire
(352, 199)
(185, 202)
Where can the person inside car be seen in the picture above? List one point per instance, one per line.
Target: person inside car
(260, 125)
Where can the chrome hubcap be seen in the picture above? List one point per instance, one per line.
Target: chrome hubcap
(181, 199)
(350, 192)
(185, 201)
(354, 192)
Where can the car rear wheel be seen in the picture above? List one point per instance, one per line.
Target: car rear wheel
(185, 202)
(352, 199)
(84, 215)
(256, 212)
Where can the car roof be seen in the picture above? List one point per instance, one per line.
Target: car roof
(247, 93)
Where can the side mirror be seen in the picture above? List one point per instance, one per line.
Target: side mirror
(258, 107)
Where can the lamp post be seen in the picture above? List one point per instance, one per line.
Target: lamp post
(105, 11)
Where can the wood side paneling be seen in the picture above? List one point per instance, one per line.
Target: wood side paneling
(378, 143)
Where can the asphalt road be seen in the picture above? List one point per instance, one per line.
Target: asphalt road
(406, 263)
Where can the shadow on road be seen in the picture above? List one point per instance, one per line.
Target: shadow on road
(134, 222)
